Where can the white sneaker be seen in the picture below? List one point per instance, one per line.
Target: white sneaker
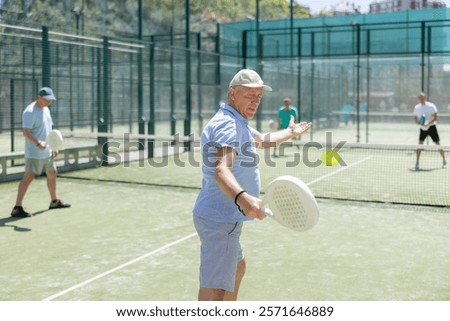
(416, 167)
(444, 165)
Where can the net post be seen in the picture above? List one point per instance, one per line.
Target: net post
(150, 142)
(191, 142)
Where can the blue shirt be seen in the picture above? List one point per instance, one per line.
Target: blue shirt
(39, 121)
(227, 129)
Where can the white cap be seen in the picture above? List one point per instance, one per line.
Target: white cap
(249, 78)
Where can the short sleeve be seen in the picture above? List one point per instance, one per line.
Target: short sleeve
(225, 134)
(27, 120)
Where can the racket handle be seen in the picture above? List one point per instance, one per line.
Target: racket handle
(268, 212)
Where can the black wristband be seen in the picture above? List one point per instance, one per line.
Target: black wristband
(236, 198)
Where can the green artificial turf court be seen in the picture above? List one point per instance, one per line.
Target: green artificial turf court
(129, 237)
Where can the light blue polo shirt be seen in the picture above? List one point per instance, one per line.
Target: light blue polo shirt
(39, 121)
(227, 129)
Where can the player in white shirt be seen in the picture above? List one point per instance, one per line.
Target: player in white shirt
(425, 115)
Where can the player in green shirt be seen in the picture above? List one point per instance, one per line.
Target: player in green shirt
(284, 116)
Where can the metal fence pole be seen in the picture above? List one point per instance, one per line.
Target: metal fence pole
(140, 84)
(45, 57)
(187, 120)
(151, 122)
(104, 103)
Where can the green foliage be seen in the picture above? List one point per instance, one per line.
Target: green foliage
(108, 17)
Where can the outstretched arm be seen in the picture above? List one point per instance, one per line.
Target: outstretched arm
(278, 137)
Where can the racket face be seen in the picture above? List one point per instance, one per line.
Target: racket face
(292, 203)
(422, 120)
(55, 140)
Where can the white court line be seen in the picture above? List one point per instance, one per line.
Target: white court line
(79, 285)
(338, 171)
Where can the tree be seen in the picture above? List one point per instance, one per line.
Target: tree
(103, 17)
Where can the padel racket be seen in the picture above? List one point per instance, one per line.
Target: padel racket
(422, 119)
(55, 140)
(290, 202)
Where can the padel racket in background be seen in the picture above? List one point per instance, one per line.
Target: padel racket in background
(422, 119)
(55, 140)
(290, 202)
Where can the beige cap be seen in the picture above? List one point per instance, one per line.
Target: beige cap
(249, 78)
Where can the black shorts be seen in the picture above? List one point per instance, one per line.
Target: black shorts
(432, 132)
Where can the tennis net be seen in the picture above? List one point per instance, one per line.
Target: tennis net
(373, 173)
(364, 172)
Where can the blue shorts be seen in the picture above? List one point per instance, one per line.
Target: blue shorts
(220, 253)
